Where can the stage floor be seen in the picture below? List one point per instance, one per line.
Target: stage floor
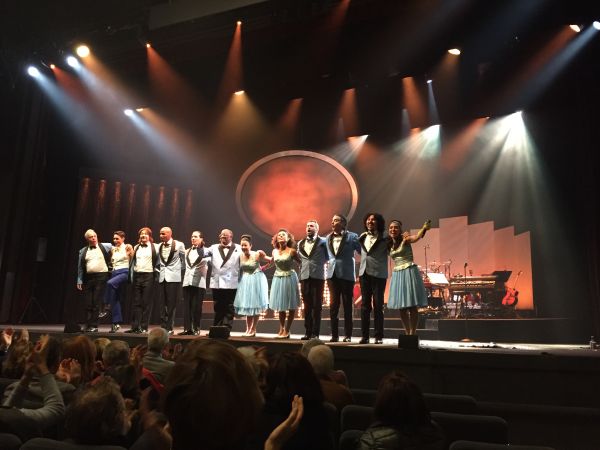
(424, 344)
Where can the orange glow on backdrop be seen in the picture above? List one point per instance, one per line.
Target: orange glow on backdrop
(455, 152)
(415, 105)
(172, 89)
(233, 75)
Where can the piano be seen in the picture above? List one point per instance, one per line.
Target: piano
(487, 287)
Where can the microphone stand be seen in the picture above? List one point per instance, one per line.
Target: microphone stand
(466, 338)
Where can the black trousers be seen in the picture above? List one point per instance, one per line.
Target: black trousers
(312, 297)
(170, 294)
(93, 296)
(372, 290)
(193, 297)
(143, 292)
(340, 291)
(223, 304)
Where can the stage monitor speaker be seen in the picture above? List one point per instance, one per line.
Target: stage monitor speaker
(408, 342)
(72, 328)
(218, 332)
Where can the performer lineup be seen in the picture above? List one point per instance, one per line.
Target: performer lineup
(239, 285)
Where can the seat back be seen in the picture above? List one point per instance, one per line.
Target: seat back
(50, 444)
(364, 397)
(472, 445)
(349, 439)
(472, 427)
(461, 404)
(356, 417)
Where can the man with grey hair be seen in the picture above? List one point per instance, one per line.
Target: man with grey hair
(158, 339)
(333, 383)
(93, 270)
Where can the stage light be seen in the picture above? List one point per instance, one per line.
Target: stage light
(148, 45)
(73, 62)
(239, 22)
(575, 28)
(52, 66)
(429, 81)
(83, 51)
(596, 25)
(139, 109)
(128, 112)
(454, 51)
(33, 71)
(238, 93)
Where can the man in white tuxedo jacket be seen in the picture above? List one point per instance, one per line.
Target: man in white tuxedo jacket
(224, 277)
(171, 263)
(197, 258)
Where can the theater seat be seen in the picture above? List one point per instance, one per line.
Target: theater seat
(9, 441)
(472, 445)
(460, 404)
(50, 444)
(355, 417)
(472, 427)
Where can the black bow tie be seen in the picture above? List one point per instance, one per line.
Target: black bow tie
(92, 247)
(310, 239)
(194, 248)
(225, 247)
(166, 245)
(144, 245)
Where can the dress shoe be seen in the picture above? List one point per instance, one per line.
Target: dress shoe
(334, 339)
(114, 328)
(134, 330)
(306, 337)
(185, 333)
(379, 341)
(284, 336)
(104, 312)
(347, 339)
(170, 332)
(196, 332)
(91, 330)
(144, 330)
(364, 341)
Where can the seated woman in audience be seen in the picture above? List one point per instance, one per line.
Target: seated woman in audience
(52, 411)
(212, 401)
(17, 350)
(402, 420)
(291, 374)
(82, 349)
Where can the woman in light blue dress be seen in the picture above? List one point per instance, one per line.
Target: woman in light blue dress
(252, 296)
(285, 295)
(407, 291)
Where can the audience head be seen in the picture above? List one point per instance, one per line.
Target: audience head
(215, 381)
(257, 358)
(158, 339)
(291, 374)
(100, 344)
(400, 403)
(13, 365)
(96, 416)
(54, 353)
(322, 360)
(83, 350)
(308, 345)
(116, 353)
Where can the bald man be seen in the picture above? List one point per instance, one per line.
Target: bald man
(93, 270)
(171, 264)
(224, 277)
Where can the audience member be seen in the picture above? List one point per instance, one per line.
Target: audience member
(257, 357)
(322, 360)
(158, 340)
(81, 349)
(17, 352)
(401, 418)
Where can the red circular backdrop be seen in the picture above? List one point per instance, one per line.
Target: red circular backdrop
(285, 189)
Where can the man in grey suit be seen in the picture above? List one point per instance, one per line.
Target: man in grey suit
(171, 255)
(314, 255)
(194, 284)
(373, 274)
(158, 339)
(93, 270)
(341, 275)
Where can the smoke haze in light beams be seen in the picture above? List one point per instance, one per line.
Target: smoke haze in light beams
(287, 191)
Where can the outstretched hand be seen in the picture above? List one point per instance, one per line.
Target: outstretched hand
(288, 427)
(6, 338)
(69, 371)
